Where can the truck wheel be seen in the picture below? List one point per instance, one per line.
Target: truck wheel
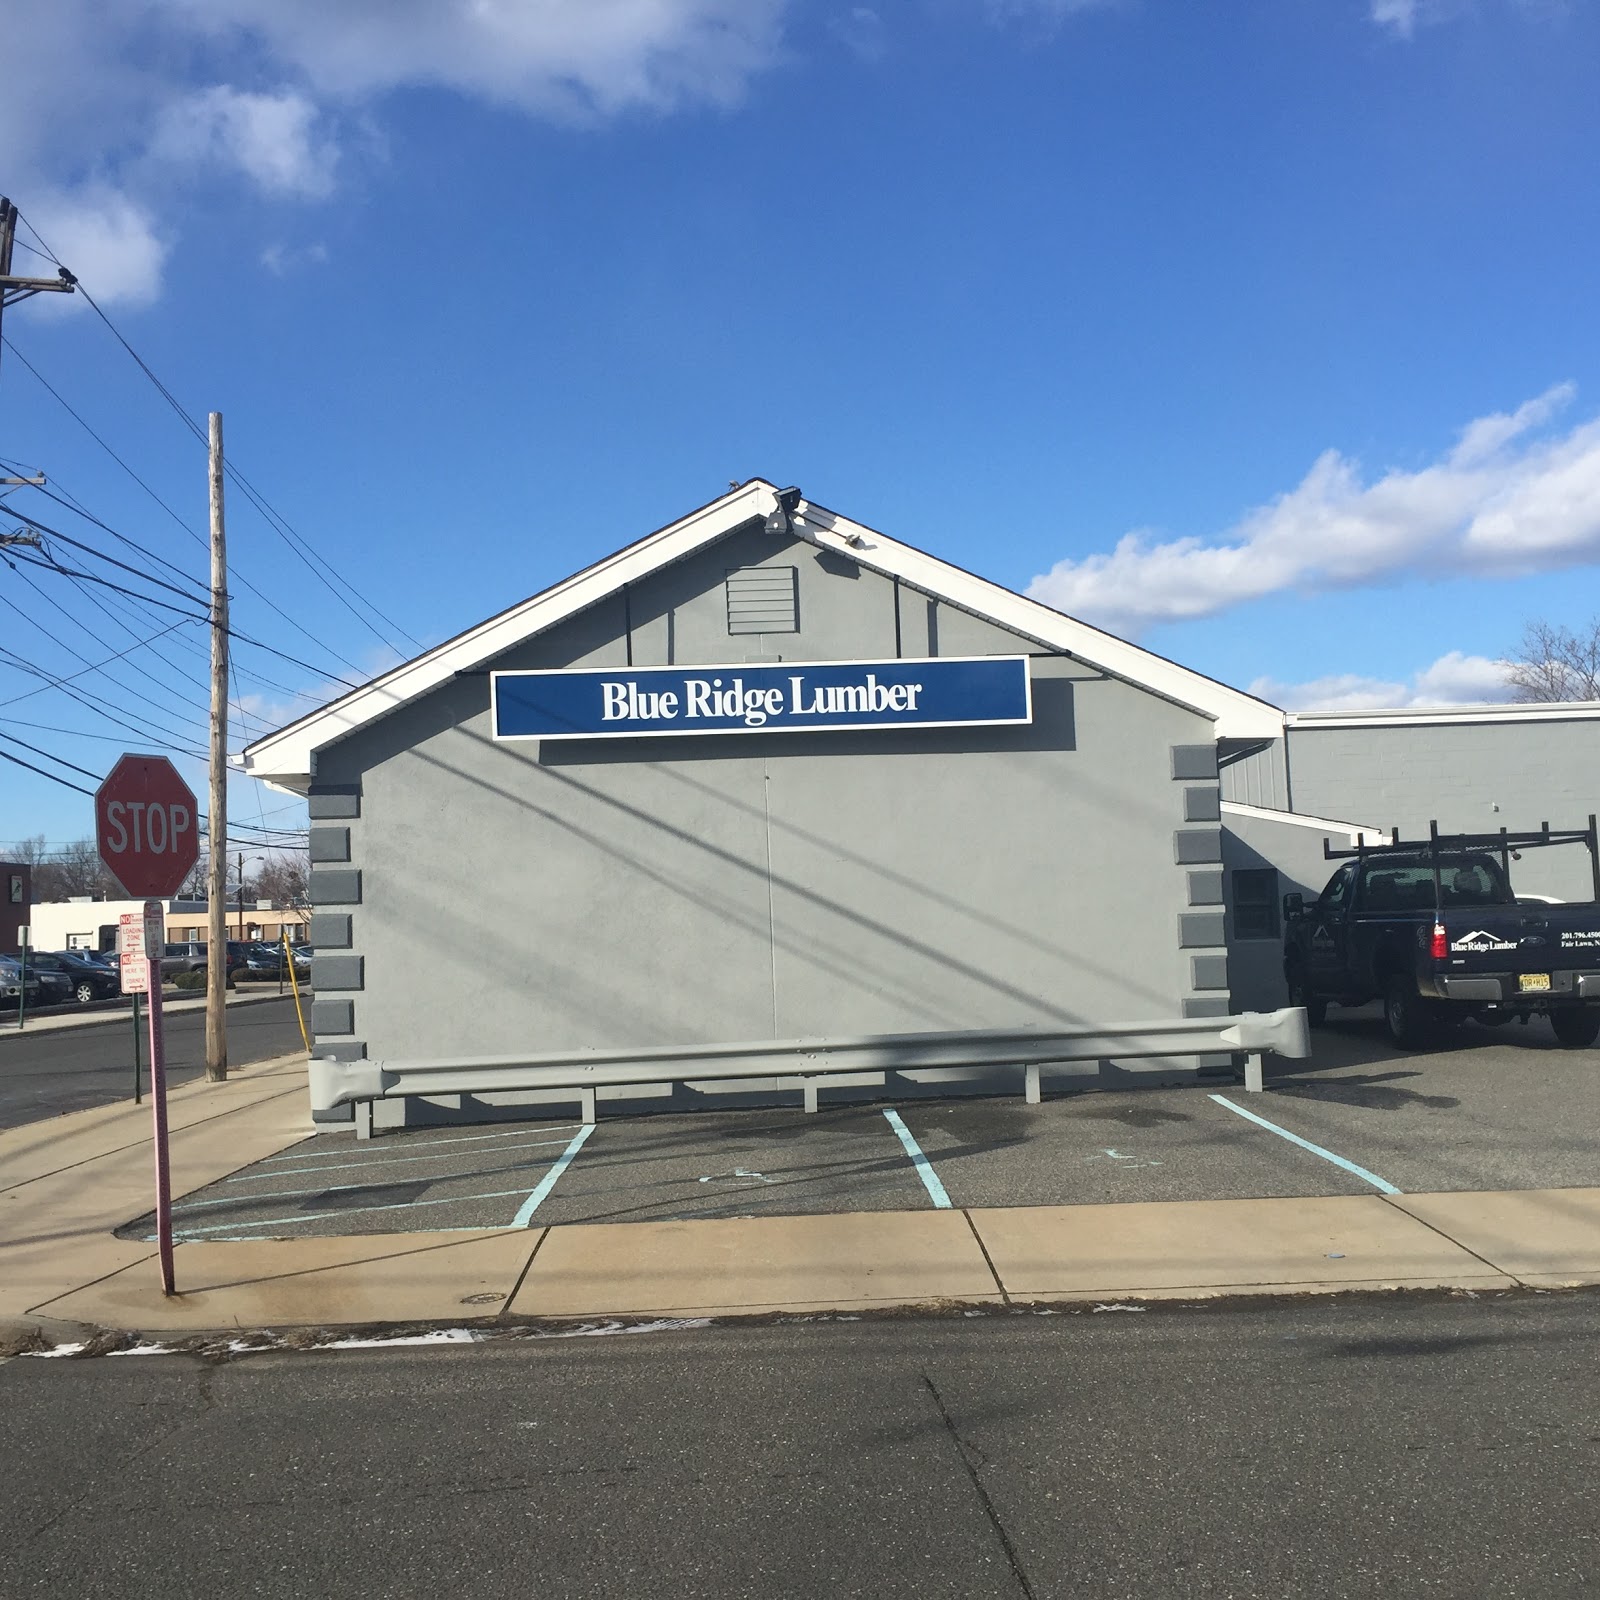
(1300, 994)
(1409, 1018)
(1577, 1027)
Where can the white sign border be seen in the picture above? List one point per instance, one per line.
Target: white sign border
(1025, 720)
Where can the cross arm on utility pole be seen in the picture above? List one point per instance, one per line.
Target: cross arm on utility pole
(13, 289)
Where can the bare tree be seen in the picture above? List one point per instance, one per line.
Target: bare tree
(73, 869)
(284, 877)
(1555, 663)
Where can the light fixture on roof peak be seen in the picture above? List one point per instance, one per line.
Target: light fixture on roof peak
(781, 519)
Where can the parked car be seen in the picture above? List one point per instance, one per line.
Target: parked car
(1435, 931)
(55, 987)
(266, 960)
(12, 984)
(77, 977)
(194, 956)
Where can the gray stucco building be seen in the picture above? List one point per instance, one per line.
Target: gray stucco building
(1116, 850)
(773, 883)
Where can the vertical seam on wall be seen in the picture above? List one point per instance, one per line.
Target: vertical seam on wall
(899, 652)
(1288, 780)
(772, 921)
(627, 620)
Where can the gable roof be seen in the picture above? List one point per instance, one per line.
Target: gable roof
(287, 758)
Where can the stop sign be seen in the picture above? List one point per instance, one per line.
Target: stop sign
(147, 826)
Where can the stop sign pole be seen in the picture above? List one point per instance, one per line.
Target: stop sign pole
(146, 827)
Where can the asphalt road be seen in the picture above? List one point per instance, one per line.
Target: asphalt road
(1351, 1449)
(43, 1074)
(1499, 1110)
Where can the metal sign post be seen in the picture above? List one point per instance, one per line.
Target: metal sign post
(142, 941)
(153, 935)
(23, 939)
(146, 828)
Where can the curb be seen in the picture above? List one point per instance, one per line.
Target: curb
(174, 1002)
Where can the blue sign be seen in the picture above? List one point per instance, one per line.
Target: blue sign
(787, 697)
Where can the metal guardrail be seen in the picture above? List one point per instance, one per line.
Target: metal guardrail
(805, 1062)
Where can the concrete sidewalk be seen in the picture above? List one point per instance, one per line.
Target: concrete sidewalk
(65, 1185)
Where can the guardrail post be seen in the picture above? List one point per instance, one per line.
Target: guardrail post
(1253, 1081)
(808, 1090)
(1030, 1083)
(363, 1119)
(586, 1096)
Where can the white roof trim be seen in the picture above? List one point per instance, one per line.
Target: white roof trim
(1424, 716)
(289, 755)
(1353, 831)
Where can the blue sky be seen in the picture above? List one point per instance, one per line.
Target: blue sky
(1262, 332)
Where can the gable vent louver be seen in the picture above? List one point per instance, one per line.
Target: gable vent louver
(763, 599)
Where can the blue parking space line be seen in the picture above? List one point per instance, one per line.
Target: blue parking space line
(930, 1178)
(548, 1181)
(419, 1144)
(317, 1188)
(356, 1211)
(374, 1162)
(1377, 1183)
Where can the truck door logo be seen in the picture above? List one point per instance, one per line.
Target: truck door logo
(1479, 940)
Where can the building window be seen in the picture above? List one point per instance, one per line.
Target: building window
(763, 600)
(1255, 903)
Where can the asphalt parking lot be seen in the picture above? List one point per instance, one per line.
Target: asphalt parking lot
(1498, 1110)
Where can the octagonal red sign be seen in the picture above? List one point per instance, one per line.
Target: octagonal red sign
(147, 825)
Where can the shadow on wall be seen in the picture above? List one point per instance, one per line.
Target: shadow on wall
(1054, 730)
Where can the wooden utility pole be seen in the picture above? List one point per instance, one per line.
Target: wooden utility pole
(13, 289)
(217, 861)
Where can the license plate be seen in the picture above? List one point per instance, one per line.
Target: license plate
(1528, 981)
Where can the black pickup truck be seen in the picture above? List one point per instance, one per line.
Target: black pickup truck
(1434, 930)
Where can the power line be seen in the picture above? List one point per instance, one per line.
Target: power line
(199, 539)
(57, 683)
(274, 518)
(17, 761)
(92, 702)
(60, 761)
(100, 555)
(77, 622)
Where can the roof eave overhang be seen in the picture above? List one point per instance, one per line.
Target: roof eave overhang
(287, 758)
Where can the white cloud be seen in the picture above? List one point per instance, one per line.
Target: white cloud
(1510, 498)
(1453, 680)
(110, 241)
(1042, 10)
(562, 57)
(281, 259)
(271, 89)
(277, 139)
(1401, 15)
(860, 30)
